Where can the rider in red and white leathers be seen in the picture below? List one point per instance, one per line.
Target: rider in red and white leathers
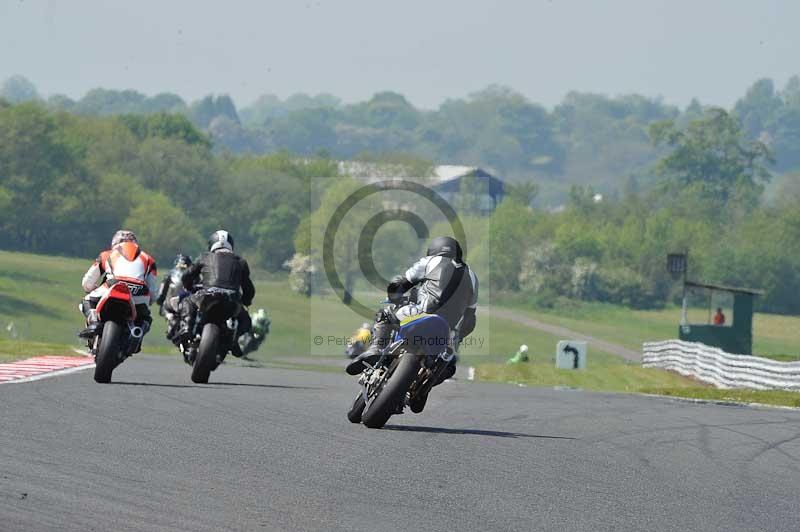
(124, 261)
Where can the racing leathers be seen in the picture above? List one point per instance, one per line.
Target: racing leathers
(170, 295)
(123, 263)
(222, 275)
(445, 286)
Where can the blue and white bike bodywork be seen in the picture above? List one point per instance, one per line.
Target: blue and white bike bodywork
(415, 360)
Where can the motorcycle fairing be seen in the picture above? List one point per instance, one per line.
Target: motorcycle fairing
(118, 292)
(428, 332)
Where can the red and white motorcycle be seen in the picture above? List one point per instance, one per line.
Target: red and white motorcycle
(118, 335)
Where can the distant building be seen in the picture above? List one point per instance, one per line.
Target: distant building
(447, 180)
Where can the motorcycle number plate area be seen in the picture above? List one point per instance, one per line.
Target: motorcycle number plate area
(136, 289)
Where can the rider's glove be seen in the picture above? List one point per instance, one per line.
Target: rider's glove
(398, 286)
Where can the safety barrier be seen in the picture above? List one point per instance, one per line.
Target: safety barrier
(723, 370)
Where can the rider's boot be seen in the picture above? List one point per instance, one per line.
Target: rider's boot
(92, 325)
(381, 335)
(417, 403)
(188, 318)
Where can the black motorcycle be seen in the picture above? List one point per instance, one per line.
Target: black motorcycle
(214, 335)
(417, 358)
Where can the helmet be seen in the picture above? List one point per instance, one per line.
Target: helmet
(366, 325)
(220, 240)
(523, 348)
(123, 236)
(445, 246)
(182, 261)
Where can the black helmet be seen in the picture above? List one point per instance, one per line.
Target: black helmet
(220, 240)
(445, 246)
(182, 261)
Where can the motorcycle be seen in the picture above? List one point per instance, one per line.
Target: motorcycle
(118, 335)
(170, 309)
(414, 361)
(214, 336)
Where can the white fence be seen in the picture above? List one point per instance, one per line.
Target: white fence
(719, 368)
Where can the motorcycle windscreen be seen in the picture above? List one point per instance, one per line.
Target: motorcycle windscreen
(428, 333)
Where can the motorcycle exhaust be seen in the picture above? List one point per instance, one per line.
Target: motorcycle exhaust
(137, 332)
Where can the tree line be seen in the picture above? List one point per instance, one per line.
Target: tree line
(69, 179)
(707, 198)
(586, 139)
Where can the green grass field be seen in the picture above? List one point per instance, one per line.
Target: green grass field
(774, 336)
(38, 315)
(39, 296)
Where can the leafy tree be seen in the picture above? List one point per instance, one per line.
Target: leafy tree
(43, 176)
(17, 89)
(510, 227)
(524, 192)
(165, 125)
(163, 228)
(186, 173)
(758, 107)
(472, 192)
(385, 110)
(345, 244)
(304, 132)
(165, 102)
(204, 111)
(60, 102)
(104, 102)
(711, 156)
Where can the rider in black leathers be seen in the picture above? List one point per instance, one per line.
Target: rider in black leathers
(222, 275)
(171, 293)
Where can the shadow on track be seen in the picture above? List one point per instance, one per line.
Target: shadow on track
(127, 383)
(215, 383)
(475, 432)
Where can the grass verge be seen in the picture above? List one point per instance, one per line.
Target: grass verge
(774, 336)
(14, 350)
(603, 377)
(767, 397)
(628, 378)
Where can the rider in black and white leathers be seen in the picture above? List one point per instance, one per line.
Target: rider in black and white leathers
(445, 286)
(433, 274)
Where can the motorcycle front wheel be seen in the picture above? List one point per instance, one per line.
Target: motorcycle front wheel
(393, 392)
(108, 353)
(355, 412)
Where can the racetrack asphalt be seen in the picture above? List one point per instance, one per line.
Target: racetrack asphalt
(268, 449)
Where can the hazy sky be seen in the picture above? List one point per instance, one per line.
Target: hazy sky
(427, 50)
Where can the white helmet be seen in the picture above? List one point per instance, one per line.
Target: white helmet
(220, 240)
(123, 236)
(366, 325)
(523, 348)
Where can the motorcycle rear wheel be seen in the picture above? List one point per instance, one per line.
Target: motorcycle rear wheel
(393, 392)
(206, 360)
(107, 356)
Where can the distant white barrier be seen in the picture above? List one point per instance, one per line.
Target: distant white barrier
(719, 368)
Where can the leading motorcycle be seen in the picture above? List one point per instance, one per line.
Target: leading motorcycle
(118, 335)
